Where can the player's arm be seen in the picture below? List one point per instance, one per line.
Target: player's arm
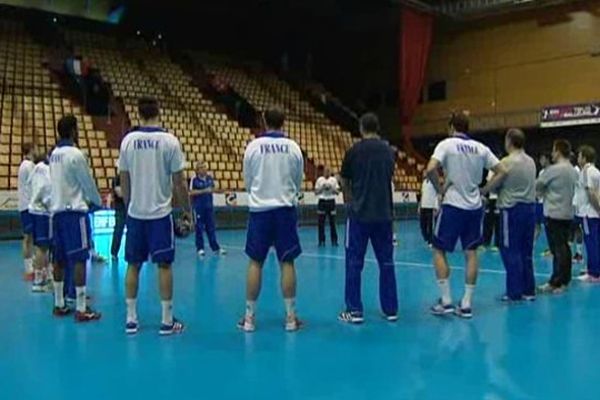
(432, 174)
(125, 186)
(500, 173)
(299, 172)
(541, 184)
(247, 168)
(180, 192)
(90, 190)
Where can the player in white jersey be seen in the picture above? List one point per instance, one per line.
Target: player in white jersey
(327, 189)
(579, 198)
(461, 216)
(589, 212)
(544, 161)
(74, 195)
(273, 171)
(152, 172)
(39, 209)
(24, 193)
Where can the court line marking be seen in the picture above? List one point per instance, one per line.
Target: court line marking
(398, 262)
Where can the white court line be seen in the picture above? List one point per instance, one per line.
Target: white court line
(398, 262)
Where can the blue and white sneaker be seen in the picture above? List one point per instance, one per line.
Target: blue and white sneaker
(131, 327)
(175, 327)
(440, 308)
(351, 317)
(463, 312)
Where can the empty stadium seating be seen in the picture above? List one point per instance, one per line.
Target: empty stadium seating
(31, 103)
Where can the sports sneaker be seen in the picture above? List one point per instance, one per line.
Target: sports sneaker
(463, 312)
(175, 327)
(292, 323)
(583, 277)
(493, 249)
(87, 316)
(578, 258)
(201, 253)
(247, 324)
(61, 311)
(42, 287)
(529, 297)
(547, 288)
(131, 327)
(351, 317)
(507, 300)
(440, 308)
(391, 317)
(546, 253)
(221, 252)
(590, 279)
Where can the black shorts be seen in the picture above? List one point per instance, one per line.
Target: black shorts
(326, 206)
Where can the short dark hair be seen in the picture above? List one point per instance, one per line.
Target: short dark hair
(274, 117)
(369, 123)
(148, 108)
(460, 122)
(67, 126)
(516, 138)
(26, 148)
(588, 153)
(563, 147)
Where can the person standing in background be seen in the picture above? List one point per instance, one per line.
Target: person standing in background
(516, 202)
(428, 208)
(576, 237)
(201, 191)
(120, 216)
(74, 194)
(589, 208)
(327, 189)
(367, 172)
(557, 186)
(39, 209)
(273, 173)
(544, 162)
(462, 160)
(24, 193)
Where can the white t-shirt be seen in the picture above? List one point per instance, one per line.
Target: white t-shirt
(72, 184)
(589, 179)
(580, 194)
(429, 197)
(541, 198)
(41, 189)
(493, 195)
(463, 161)
(328, 188)
(273, 171)
(23, 184)
(151, 156)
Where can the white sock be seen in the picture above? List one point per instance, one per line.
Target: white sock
(131, 310)
(81, 305)
(444, 286)
(28, 265)
(167, 312)
(38, 276)
(466, 300)
(250, 308)
(290, 306)
(59, 298)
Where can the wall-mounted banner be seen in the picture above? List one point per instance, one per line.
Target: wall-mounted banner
(9, 200)
(578, 114)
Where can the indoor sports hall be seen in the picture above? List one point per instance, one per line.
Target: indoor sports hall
(315, 88)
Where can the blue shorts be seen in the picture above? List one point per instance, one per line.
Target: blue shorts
(71, 237)
(278, 228)
(539, 214)
(455, 223)
(26, 223)
(41, 230)
(154, 238)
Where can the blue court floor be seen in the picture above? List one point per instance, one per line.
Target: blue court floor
(545, 350)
